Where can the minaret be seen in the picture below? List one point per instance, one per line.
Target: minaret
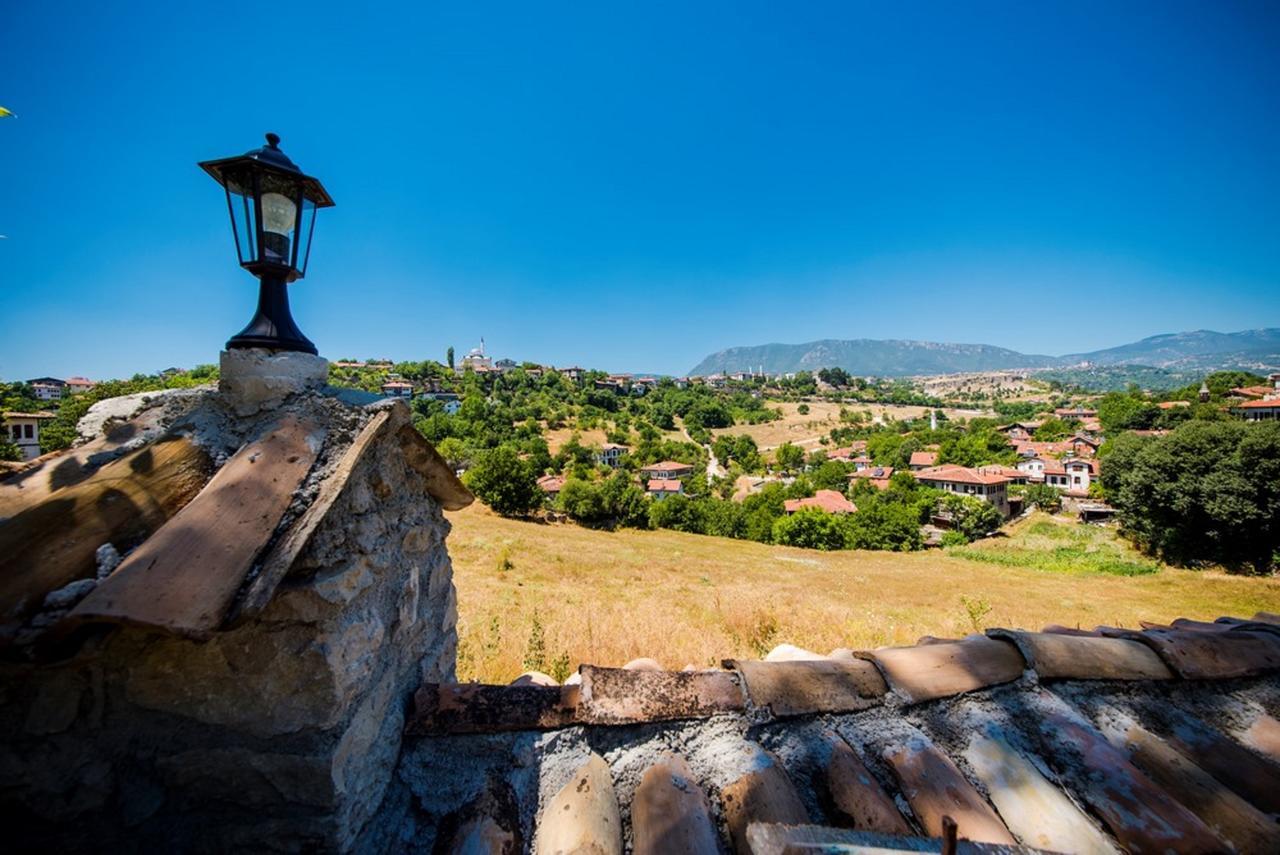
(1204, 392)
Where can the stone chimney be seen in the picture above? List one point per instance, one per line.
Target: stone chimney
(213, 614)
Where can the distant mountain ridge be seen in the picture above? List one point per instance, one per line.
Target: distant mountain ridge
(1198, 350)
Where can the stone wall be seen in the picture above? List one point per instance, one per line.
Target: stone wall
(280, 734)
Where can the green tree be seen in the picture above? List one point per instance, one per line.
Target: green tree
(970, 516)
(880, 524)
(1044, 497)
(811, 528)
(790, 458)
(1209, 492)
(448, 357)
(504, 482)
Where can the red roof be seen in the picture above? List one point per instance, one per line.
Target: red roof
(667, 466)
(1253, 405)
(1171, 405)
(664, 485)
(551, 483)
(924, 458)
(959, 475)
(824, 500)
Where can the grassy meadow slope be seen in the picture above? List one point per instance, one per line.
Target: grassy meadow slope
(608, 597)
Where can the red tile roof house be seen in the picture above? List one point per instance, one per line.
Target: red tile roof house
(878, 476)
(397, 389)
(76, 385)
(923, 460)
(660, 488)
(665, 469)
(1258, 411)
(1019, 430)
(830, 501)
(551, 484)
(993, 489)
(847, 453)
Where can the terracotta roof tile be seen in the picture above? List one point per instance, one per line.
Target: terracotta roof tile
(1075, 657)
(1248, 775)
(583, 815)
(670, 812)
(474, 708)
(857, 799)
(815, 686)
(934, 788)
(1035, 810)
(1231, 817)
(1143, 817)
(764, 794)
(939, 670)
(1199, 655)
(1263, 736)
(615, 696)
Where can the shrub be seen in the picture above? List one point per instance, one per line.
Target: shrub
(504, 482)
(1044, 497)
(812, 529)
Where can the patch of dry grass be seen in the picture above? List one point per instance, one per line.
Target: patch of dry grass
(608, 597)
(806, 430)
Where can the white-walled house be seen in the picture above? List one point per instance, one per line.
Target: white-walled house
(24, 430)
(48, 388)
(1259, 411)
(77, 385)
(990, 488)
(611, 454)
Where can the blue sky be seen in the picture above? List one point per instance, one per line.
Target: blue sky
(633, 186)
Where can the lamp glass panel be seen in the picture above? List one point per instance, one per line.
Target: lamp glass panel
(306, 230)
(279, 217)
(240, 202)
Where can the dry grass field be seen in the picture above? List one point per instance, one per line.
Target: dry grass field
(805, 430)
(608, 597)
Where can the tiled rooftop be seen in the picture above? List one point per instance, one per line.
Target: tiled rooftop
(1161, 739)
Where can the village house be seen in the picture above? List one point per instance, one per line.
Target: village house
(1032, 468)
(660, 488)
(830, 501)
(47, 388)
(1084, 446)
(1019, 430)
(1258, 411)
(993, 489)
(451, 401)
(847, 453)
(715, 381)
(666, 470)
(77, 385)
(573, 373)
(551, 485)
(1081, 474)
(1251, 392)
(611, 454)
(923, 460)
(1015, 476)
(1079, 413)
(395, 387)
(878, 476)
(24, 431)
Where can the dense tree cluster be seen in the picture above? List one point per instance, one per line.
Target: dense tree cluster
(1208, 492)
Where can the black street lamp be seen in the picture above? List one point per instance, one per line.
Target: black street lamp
(273, 215)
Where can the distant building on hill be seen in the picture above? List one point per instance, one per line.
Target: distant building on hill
(23, 430)
(666, 470)
(830, 501)
(47, 388)
(76, 385)
(990, 488)
(611, 454)
(660, 488)
(476, 360)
